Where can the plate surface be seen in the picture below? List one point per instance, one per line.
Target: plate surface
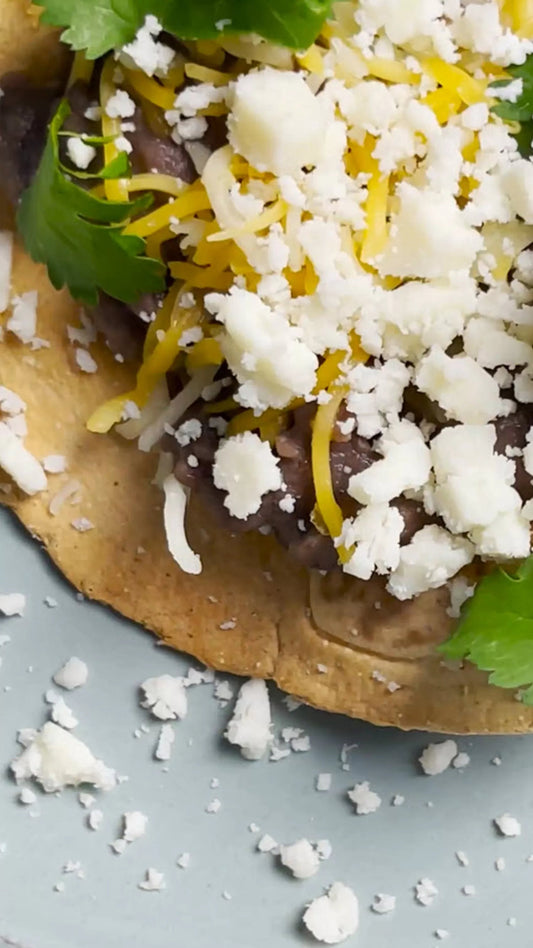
(388, 851)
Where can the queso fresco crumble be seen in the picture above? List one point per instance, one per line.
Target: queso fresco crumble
(354, 286)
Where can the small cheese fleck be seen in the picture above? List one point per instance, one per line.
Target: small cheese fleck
(436, 758)
(6, 262)
(19, 464)
(508, 825)
(425, 891)
(12, 604)
(120, 105)
(323, 782)
(333, 917)
(364, 799)
(165, 696)
(383, 903)
(23, 320)
(73, 674)
(85, 361)
(267, 844)
(301, 858)
(149, 55)
(80, 153)
(165, 741)
(251, 727)
(154, 881)
(135, 824)
(54, 463)
(94, 820)
(184, 861)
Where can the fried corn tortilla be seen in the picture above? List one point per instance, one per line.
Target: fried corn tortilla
(334, 642)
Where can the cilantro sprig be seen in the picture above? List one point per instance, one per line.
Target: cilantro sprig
(79, 236)
(96, 26)
(495, 631)
(522, 109)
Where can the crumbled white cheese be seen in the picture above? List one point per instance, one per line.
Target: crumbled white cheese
(436, 758)
(94, 819)
(431, 558)
(301, 858)
(148, 55)
(165, 696)
(418, 248)
(250, 726)
(267, 844)
(507, 825)
(323, 782)
(63, 715)
(276, 122)
(184, 861)
(188, 431)
(213, 806)
(284, 367)
(405, 465)
(120, 105)
(154, 881)
(364, 799)
(12, 604)
(135, 824)
(10, 402)
(23, 320)
(462, 760)
(57, 759)
(425, 891)
(247, 469)
(383, 903)
(80, 153)
(333, 917)
(460, 592)
(460, 385)
(6, 263)
(85, 361)
(165, 741)
(19, 464)
(374, 533)
(54, 463)
(73, 674)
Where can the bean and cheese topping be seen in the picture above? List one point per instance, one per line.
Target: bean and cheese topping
(363, 231)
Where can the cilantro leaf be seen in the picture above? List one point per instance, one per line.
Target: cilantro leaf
(79, 237)
(522, 109)
(495, 631)
(97, 26)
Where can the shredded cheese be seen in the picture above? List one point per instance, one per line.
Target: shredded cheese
(150, 89)
(116, 189)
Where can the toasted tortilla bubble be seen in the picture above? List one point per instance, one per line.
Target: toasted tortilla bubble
(323, 640)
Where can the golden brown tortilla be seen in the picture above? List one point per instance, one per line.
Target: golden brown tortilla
(246, 580)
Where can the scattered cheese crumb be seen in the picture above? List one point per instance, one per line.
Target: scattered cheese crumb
(165, 696)
(383, 904)
(462, 760)
(73, 674)
(85, 361)
(333, 917)
(323, 782)
(154, 881)
(508, 825)
(184, 861)
(364, 799)
(12, 604)
(94, 820)
(57, 759)
(436, 758)
(165, 741)
(425, 891)
(19, 464)
(301, 858)
(267, 844)
(250, 727)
